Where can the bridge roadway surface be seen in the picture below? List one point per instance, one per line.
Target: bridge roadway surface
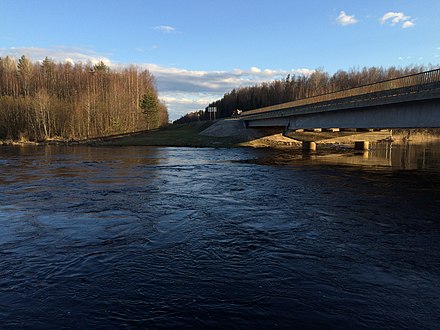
(411, 101)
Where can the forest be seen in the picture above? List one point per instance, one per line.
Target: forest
(46, 100)
(295, 87)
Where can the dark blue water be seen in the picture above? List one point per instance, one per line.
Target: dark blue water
(219, 238)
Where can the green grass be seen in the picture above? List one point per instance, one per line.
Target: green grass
(181, 135)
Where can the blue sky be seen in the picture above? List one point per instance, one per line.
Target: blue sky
(198, 50)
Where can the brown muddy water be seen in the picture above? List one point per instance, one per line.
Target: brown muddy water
(219, 238)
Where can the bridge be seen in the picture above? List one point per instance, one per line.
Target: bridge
(411, 101)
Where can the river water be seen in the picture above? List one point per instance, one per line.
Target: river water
(219, 238)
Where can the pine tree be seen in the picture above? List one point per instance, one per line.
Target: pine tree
(150, 106)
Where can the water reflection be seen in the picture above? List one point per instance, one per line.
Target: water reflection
(407, 156)
(386, 155)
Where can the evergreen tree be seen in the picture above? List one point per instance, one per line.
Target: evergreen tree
(149, 104)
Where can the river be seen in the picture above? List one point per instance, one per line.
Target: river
(219, 238)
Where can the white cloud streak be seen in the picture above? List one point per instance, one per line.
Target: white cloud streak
(394, 18)
(344, 19)
(165, 28)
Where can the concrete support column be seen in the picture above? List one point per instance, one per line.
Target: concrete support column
(361, 145)
(308, 146)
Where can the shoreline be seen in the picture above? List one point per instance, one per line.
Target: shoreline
(231, 133)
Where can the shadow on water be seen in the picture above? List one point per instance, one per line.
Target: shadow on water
(215, 238)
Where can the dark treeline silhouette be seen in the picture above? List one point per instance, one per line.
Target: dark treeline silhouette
(297, 87)
(41, 101)
(193, 116)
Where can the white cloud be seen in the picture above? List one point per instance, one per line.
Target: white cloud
(60, 54)
(165, 28)
(394, 18)
(198, 99)
(410, 58)
(344, 19)
(269, 72)
(303, 71)
(408, 24)
(180, 103)
(255, 70)
(147, 49)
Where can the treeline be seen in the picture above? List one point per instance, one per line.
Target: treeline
(41, 101)
(297, 87)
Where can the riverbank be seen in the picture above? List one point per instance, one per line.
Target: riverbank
(222, 133)
(181, 135)
(10, 142)
(232, 133)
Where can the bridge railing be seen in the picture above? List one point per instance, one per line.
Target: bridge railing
(416, 79)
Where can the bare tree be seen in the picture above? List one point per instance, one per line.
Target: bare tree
(74, 101)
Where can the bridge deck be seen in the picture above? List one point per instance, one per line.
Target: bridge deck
(415, 87)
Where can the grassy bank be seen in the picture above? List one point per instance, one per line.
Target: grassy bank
(181, 135)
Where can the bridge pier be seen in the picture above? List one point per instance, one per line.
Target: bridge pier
(332, 130)
(361, 145)
(364, 130)
(308, 146)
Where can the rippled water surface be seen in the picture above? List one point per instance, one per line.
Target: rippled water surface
(219, 238)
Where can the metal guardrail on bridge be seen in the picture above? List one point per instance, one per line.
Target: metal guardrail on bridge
(409, 81)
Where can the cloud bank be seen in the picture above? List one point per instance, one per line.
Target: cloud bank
(183, 80)
(61, 54)
(184, 90)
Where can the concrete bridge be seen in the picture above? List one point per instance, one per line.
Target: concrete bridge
(411, 101)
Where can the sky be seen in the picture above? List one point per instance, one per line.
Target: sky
(199, 50)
